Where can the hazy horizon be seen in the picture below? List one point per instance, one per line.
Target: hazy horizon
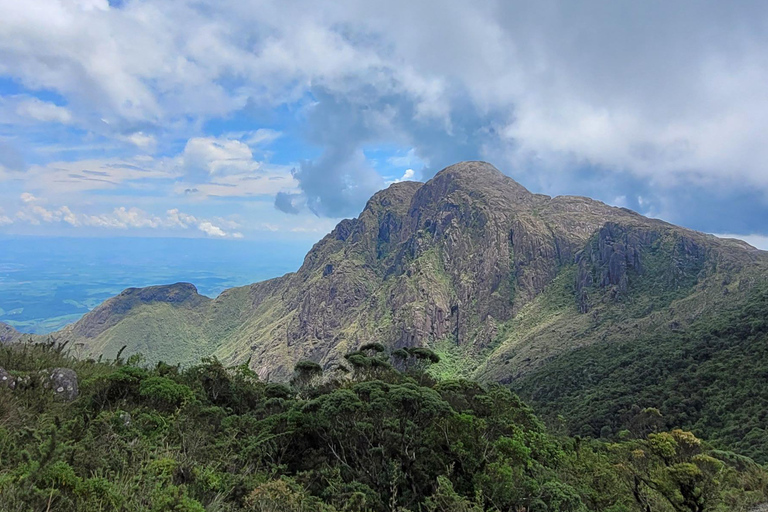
(48, 282)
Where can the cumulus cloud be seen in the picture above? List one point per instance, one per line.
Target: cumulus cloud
(408, 175)
(587, 96)
(4, 220)
(210, 156)
(211, 230)
(123, 218)
(226, 167)
(181, 219)
(43, 111)
(141, 140)
(26, 197)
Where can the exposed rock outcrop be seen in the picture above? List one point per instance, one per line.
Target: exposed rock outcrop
(6, 379)
(63, 383)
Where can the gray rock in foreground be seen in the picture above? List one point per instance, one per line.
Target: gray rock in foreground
(63, 381)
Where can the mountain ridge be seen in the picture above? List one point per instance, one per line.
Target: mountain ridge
(449, 264)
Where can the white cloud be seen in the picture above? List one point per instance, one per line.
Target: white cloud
(563, 85)
(408, 175)
(141, 140)
(211, 230)
(122, 218)
(69, 217)
(65, 178)
(43, 111)
(26, 197)
(180, 219)
(217, 156)
(684, 98)
(260, 137)
(239, 185)
(4, 220)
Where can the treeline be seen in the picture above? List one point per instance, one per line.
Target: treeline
(375, 434)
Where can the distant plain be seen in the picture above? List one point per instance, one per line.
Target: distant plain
(46, 283)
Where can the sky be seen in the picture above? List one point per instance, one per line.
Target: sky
(271, 120)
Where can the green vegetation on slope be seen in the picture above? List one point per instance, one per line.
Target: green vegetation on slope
(712, 378)
(216, 439)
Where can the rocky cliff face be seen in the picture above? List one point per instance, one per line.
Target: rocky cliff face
(469, 263)
(8, 334)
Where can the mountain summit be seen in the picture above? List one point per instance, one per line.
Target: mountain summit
(496, 279)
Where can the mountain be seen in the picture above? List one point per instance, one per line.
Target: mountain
(495, 278)
(8, 334)
(503, 284)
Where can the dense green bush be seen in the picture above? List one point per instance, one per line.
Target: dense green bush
(215, 438)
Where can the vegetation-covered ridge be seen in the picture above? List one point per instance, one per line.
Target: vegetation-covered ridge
(711, 378)
(470, 263)
(382, 437)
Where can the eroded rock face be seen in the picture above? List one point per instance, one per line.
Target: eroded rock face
(63, 383)
(606, 261)
(616, 252)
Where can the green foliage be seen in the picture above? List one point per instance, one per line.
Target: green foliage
(165, 392)
(215, 438)
(305, 374)
(709, 380)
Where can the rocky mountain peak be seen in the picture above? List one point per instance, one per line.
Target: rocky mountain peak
(468, 262)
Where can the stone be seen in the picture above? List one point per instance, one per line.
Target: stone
(6, 379)
(63, 381)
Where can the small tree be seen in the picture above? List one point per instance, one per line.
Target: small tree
(414, 360)
(306, 374)
(366, 366)
(672, 466)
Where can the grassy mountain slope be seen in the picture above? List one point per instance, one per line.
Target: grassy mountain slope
(710, 378)
(470, 263)
(502, 283)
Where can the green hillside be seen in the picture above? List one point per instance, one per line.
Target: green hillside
(711, 378)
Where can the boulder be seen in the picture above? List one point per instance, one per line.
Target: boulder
(6, 379)
(63, 382)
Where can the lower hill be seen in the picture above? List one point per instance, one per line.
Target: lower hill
(211, 437)
(563, 298)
